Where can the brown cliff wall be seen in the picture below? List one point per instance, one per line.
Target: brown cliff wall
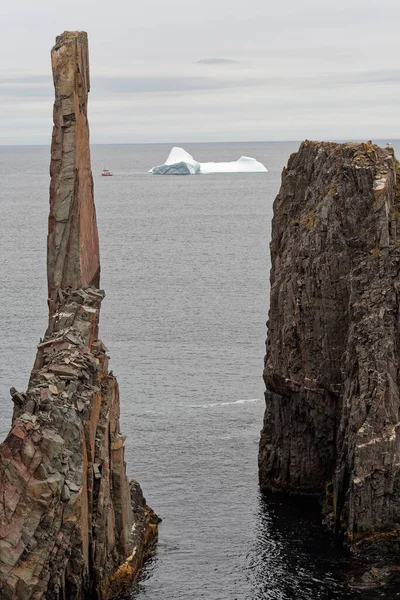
(331, 426)
(69, 518)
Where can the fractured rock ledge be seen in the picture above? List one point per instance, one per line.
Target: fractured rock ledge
(71, 525)
(67, 520)
(332, 420)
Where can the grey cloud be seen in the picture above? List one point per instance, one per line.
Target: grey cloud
(389, 76)
(31, 86)
(382, 76)
(218, 61)
(176, 84)
(41, 86)
(298, 64)
(25, 79)
(155, 84)
(22, 92)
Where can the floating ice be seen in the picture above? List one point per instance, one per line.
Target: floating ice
(244, 164)
(180, 162)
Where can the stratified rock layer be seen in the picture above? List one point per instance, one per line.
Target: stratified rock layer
(71, 525)
(332, 420)
(73, 258)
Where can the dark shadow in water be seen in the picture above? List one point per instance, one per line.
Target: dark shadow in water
(294, 558)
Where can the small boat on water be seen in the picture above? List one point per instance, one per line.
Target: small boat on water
(106, 173)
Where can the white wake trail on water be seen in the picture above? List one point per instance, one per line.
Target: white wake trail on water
(212, 404)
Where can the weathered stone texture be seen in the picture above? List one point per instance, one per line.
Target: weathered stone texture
(73, 246)
(332, 420)
(71, 525)
(66, 513)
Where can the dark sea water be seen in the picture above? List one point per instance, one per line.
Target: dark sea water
(185, 264)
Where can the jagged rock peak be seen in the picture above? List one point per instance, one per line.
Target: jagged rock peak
(332, 422)
(71, 525)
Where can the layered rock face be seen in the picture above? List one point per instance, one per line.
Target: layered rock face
(73, 257)
(71, 525)
(331, 426)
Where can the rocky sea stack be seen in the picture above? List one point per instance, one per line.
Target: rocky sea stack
(71, 525)
(332, 422)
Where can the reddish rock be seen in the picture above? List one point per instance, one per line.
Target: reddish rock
(73, 258)
(69, 518)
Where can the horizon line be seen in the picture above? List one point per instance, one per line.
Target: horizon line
(175, 143)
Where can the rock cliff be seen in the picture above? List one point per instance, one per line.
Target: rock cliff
(71, 525)
(332, 422)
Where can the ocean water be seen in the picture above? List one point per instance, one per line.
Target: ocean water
(185, 265)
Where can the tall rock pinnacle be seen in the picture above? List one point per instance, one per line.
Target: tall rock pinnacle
(73, 259)
(71, 525)
(332, 421)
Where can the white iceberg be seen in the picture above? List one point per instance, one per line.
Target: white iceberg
(244, 164)
(180, 162)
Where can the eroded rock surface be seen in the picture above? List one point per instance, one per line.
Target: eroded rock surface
(73, 245)
(332, 423)
(71, 525)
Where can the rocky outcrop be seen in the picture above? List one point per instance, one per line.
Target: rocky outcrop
(73, 257)
(71, 525)
(332, 422)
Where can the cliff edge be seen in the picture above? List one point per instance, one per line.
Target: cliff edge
(332, 423)
(71, 525)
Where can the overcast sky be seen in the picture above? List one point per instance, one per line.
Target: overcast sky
(216, 70)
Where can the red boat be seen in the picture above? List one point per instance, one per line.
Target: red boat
(106, 173)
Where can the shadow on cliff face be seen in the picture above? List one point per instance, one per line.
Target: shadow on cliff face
(294, 557)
